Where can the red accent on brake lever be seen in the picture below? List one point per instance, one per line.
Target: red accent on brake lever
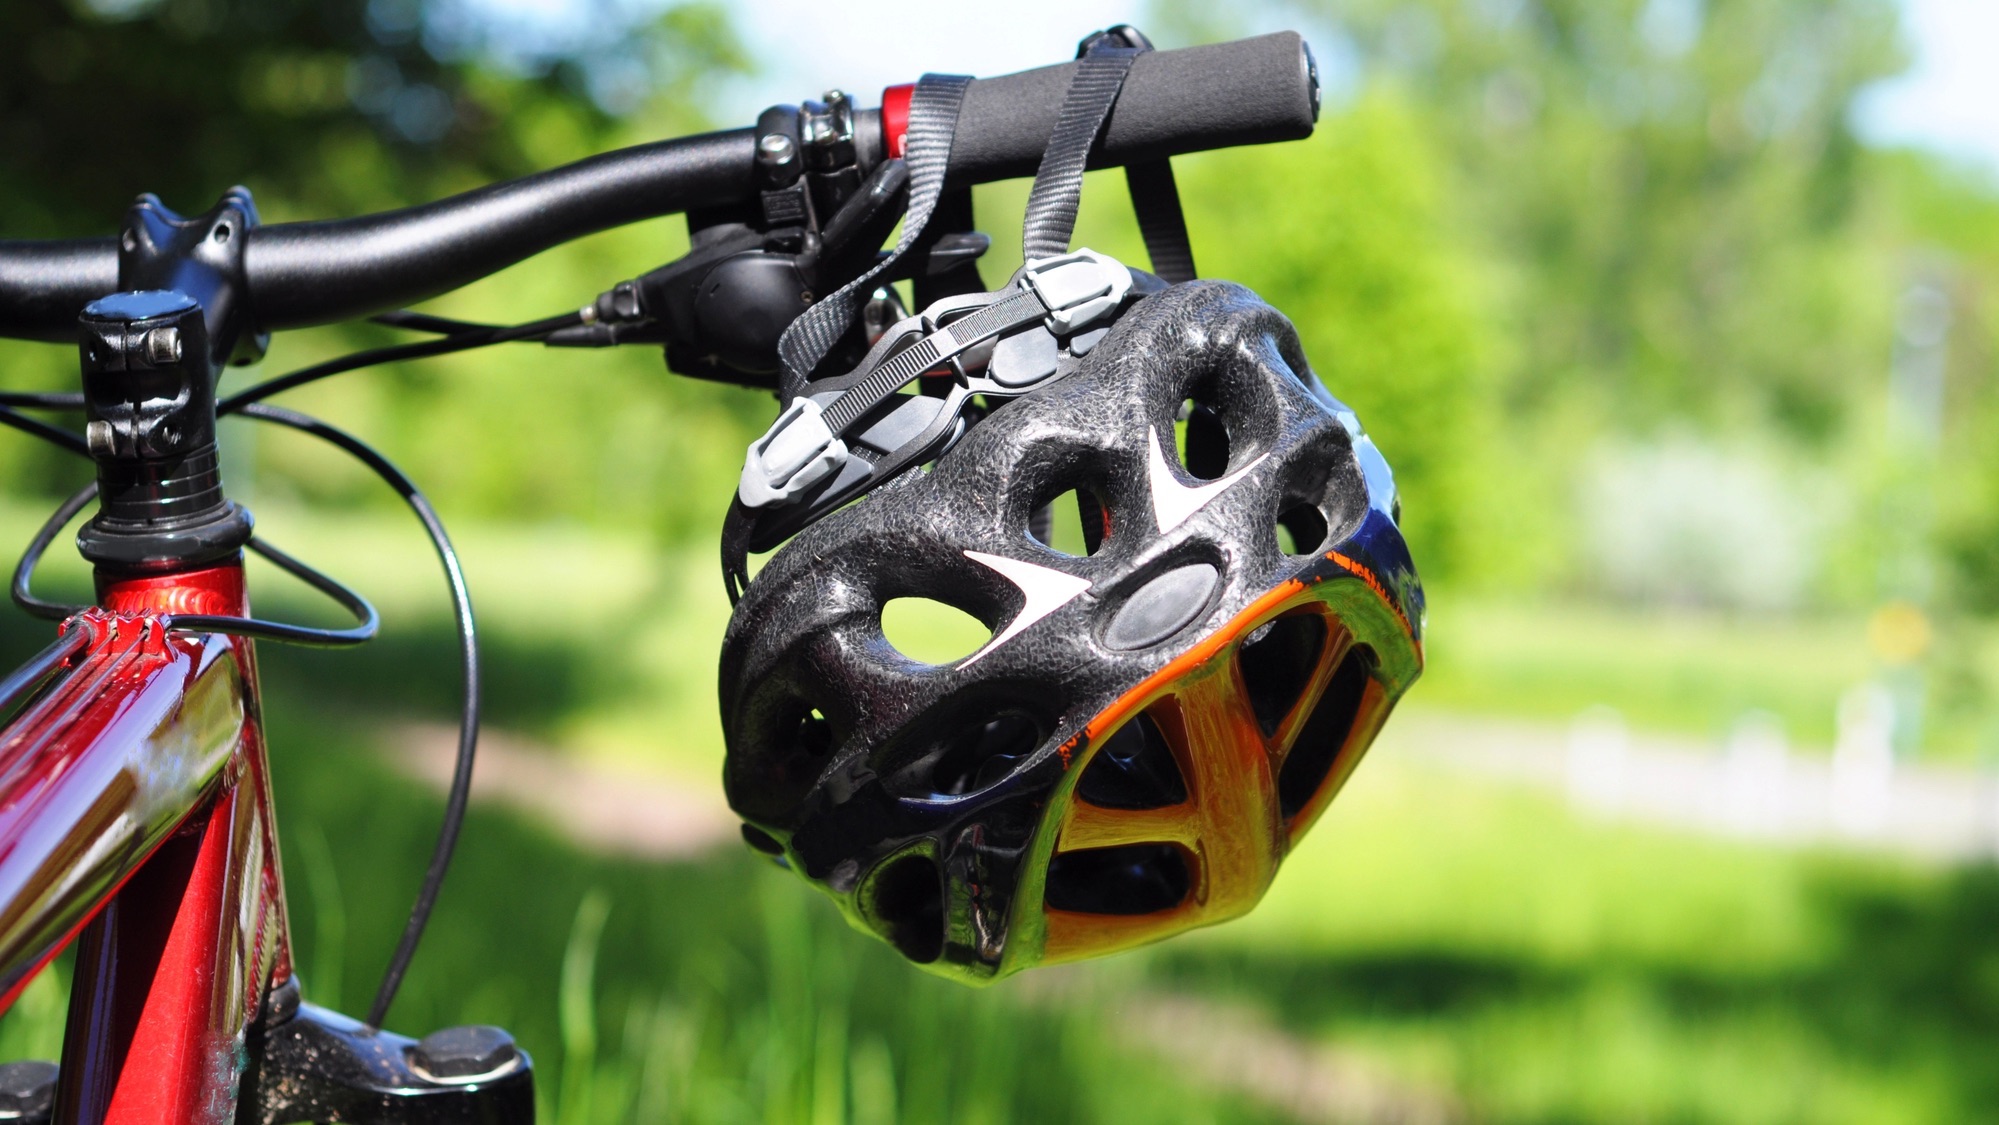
(895, 118)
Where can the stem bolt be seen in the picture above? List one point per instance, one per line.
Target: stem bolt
(163, 345)
(777, 150)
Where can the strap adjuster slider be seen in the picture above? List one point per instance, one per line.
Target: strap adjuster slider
(1078, 288)
(797, 452)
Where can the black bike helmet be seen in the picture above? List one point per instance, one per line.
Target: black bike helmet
(1154, 723)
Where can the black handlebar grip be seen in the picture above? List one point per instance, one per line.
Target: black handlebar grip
(1250, 91)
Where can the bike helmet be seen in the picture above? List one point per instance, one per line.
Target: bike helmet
(1154, 722)
(1152, 725)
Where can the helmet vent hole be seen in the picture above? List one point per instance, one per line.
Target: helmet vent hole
(932, 632)
(981, 753)
(909, 907)
(1075, 523)
(1277, 662)
(814, 735)
(1301, 530)
(1128, 879)
(761, 840)
(1201, 440)
(1133, 769)
(781, 757)
(1325, 732)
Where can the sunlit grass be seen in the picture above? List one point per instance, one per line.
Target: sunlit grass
(1477, 941)
(1550, 968)
(1418, 858)
(1687, 671)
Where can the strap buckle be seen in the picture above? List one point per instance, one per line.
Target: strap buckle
(1052, 298)
(1078, 288)
(798, 451)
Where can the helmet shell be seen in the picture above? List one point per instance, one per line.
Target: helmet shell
(1153, 725)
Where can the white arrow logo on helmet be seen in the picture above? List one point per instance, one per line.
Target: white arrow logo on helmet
(1173, 502)
(1045, 590)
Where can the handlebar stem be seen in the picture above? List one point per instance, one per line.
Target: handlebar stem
(151, 354)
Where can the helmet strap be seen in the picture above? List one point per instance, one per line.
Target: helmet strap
(933, 119)
(1103, 61)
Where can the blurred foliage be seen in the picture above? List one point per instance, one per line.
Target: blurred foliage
(1655, 229)
(324, 108)
(330, 109)
(1674, 184)
(1637, 217)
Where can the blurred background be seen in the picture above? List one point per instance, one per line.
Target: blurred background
(1678, 319)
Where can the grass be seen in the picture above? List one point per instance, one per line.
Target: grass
(1696, 672)
(1477, 941)
(1551, 969)
(715, 991)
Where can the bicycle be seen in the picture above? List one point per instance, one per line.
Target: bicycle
(135, 807)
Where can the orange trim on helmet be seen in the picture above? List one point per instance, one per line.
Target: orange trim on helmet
(1373, 583)
(1180, 665)
(1231, 830)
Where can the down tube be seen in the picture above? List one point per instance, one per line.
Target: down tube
(136, 799)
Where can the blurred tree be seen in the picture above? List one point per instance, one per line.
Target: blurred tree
(1660, 219)
(334, 107)
(1950, 213)
(1675, 184)
(331, 105)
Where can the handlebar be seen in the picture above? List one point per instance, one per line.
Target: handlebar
(1251, 91)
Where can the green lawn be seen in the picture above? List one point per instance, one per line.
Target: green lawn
(715, 991)
(1549, 969)
(1467, 939)
(1696, 672)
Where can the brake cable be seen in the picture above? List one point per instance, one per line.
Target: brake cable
(425, 322)
(456, 340)
(68, 439)
(459, 795)
(468, 651)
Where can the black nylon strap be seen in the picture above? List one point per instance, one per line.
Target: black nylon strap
(1021, 309)
(1049, 224)
(1058, 183)
(1155, 199)
(933, 119)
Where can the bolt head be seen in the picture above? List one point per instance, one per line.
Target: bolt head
(462, 1054)
(98, 435)
(27, 1089)
(163, 345)
(776, 148)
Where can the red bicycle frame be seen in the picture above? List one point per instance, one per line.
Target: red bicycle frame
(135, 808)
(136, 814)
